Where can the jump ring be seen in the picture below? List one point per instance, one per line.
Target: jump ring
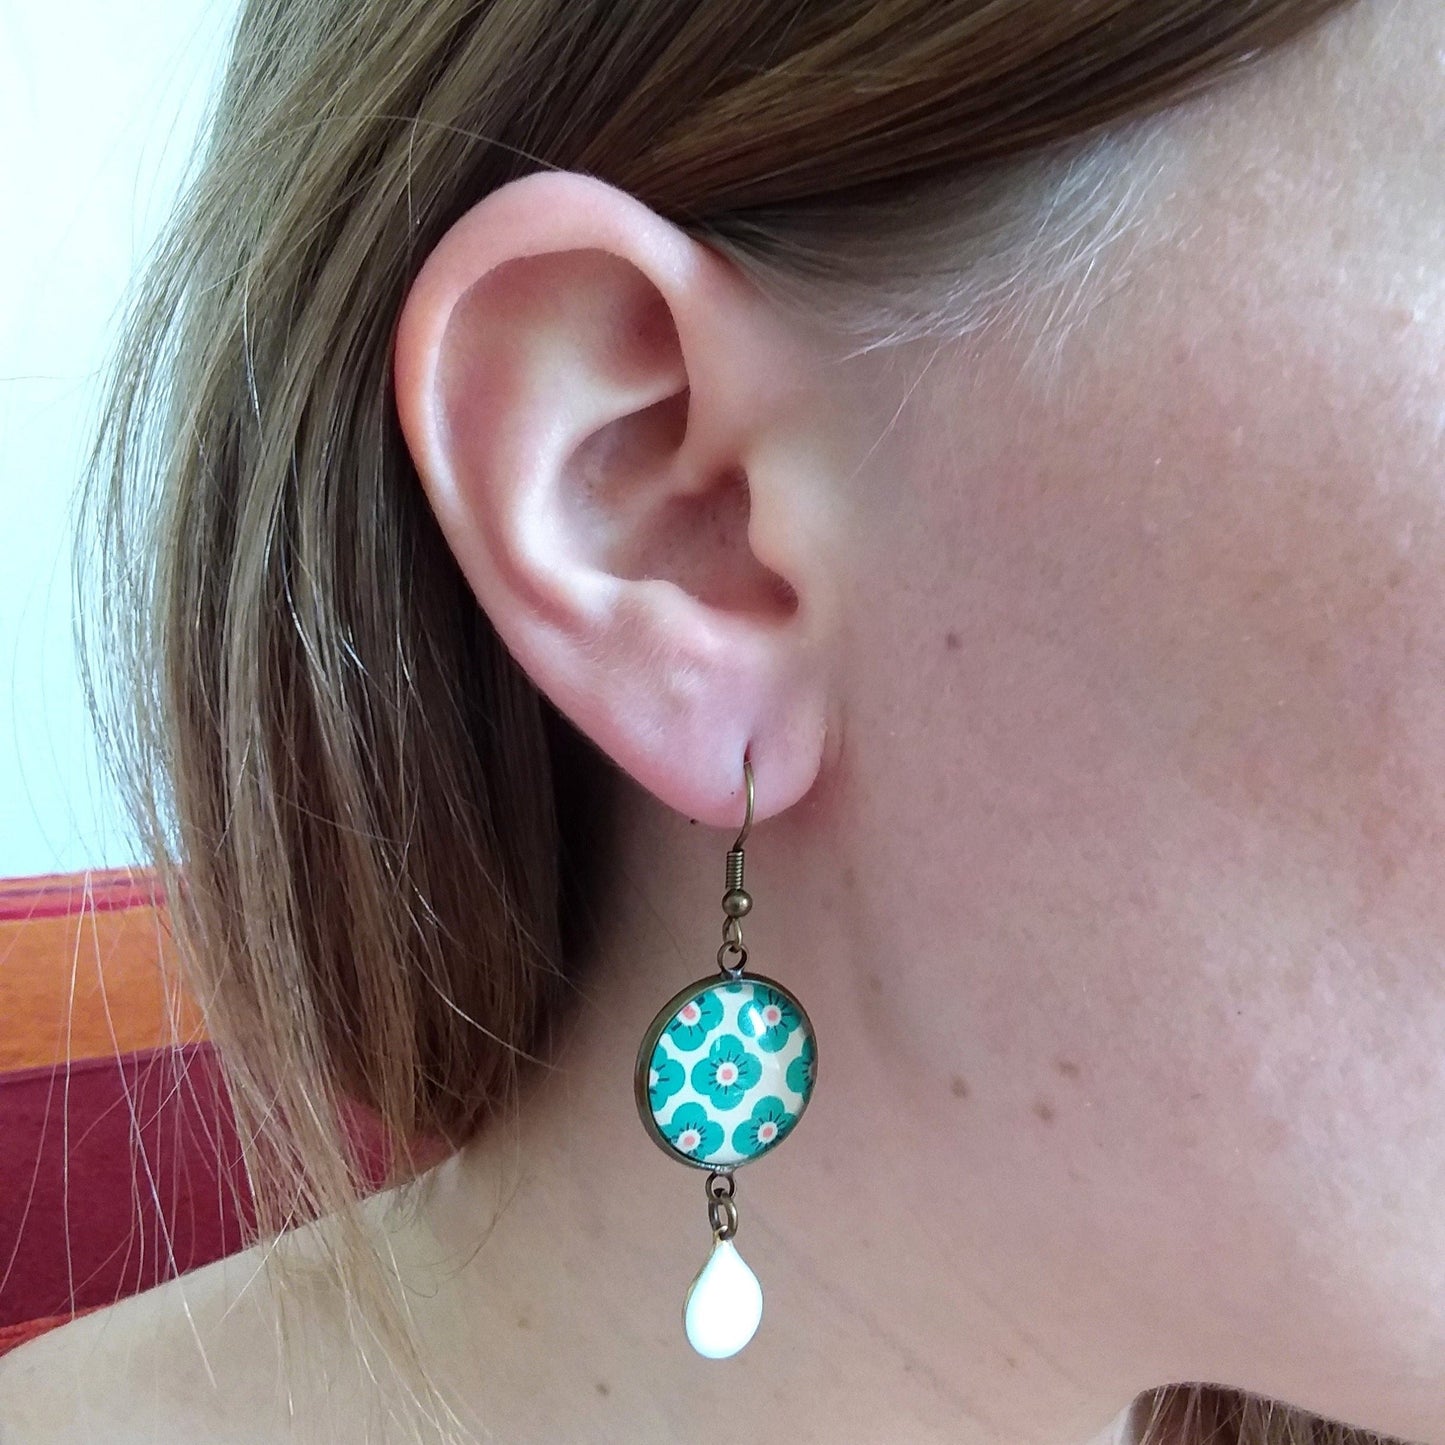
(739, 955)
(722, 1215)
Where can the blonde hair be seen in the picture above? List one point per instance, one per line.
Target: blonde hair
(371, 829)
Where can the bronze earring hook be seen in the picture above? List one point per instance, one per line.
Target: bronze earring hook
(748, 821)
(732, 956)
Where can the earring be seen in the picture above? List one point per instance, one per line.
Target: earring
(723, 1075)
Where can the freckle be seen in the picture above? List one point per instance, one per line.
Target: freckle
(523, 1323)
(603, 1388)
(1012, 1363)
(1045, 1111)
(952, 641)
(1067, 1067)
(959, 1086)
(875, 983)
(1267, 584)
(1274, 1133)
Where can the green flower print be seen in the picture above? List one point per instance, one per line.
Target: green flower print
(769, 1017)
(727, 1073)
(692, 1132)
(769, 1122)
(801, 1072)
(664, 1078)
(690, 1027)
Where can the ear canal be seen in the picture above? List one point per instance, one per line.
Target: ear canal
(691, 531)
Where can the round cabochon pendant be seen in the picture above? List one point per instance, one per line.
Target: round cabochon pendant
(725, 1071)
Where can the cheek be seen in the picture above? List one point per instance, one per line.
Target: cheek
(1181, 633)
(1283, 596)
(1204, 633)
(1278, 611)
(1154, 715)
(1266, 620)
(1147, 791)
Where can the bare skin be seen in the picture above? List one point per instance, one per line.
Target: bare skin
(1098, 743)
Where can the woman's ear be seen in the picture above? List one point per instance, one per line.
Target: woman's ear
(616, 434)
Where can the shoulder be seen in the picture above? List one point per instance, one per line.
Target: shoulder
(187, 1362)
(249, 1350)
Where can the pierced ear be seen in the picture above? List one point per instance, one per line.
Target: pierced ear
(605, 419)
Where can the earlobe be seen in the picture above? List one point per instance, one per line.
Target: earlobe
(592, 399)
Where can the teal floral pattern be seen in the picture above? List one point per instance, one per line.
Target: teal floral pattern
(769, 1017)
(695, 1020)
(730, 1073)
(665, 1077)
(727, 1073)
(691, 1131)
(801, 1070)
(770, 1121)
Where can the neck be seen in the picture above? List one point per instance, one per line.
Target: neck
(879, 1319)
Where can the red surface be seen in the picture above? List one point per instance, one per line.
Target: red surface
(97, 890)
(152, 1184)
(119, 1164)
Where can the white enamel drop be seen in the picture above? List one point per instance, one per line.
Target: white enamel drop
(724, 1304)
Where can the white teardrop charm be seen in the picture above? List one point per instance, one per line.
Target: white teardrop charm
(724, 1304)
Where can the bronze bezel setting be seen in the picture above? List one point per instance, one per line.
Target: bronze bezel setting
(658, 1026)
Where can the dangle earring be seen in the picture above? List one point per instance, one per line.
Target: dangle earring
(723, 1075)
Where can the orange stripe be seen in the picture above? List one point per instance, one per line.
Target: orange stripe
(87, 970)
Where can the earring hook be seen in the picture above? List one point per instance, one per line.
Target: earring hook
(737, 901)
(748, 821)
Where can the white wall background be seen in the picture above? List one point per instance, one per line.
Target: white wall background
(100, 101)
